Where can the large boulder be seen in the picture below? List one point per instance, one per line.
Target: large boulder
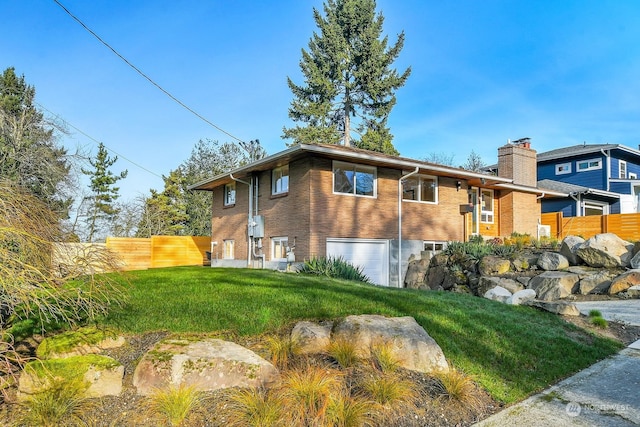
(492, 265)
(412, 345)
(416, 272)
(521, 297)
(624, 281)
(569, 248)
(312, 337)
(597, 282)
(207, 364)
(89, 340)
(485, 283)
(606, 250)
(498, 294)
(98, 375)
(550, 261)
(633, 291)
(563, 308)
(635, 261)
(553, 285)
(439, 277)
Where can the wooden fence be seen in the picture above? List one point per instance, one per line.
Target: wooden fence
(160, 251)
(625, 226)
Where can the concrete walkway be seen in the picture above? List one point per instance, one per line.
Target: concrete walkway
(605, 394)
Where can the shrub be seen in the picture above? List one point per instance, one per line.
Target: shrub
(455, 385)
(282, 350)
(344, 352)
(335, 267)
(384, 358)
(174, 404)
(595, 313)
(349, 411)
(388, 390)
(61, 404)
(255, 408)
(600, 322)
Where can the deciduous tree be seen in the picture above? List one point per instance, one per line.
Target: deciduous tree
(349, 84)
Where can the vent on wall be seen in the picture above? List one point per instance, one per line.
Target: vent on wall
(544, 231)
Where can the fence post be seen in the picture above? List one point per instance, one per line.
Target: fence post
(604, 224)
(559, 225)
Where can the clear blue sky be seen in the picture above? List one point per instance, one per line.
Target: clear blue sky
(561, 72)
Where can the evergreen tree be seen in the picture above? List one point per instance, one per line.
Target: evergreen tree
(29, 156)
(165, 212)
(349, 83)
(104, 194)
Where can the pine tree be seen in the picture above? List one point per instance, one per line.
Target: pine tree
(104, 194)
(349, 83)
(165, 212)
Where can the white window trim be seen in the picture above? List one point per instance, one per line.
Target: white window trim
(430, 245)
(633, 175)
(358, 168)
(227, 201)
(274, 181)
(230, 243)
(589, 168)
(493, 207)
(273, 247)
(620, 167)
(594, 204)
(563, 165)
(435, 178)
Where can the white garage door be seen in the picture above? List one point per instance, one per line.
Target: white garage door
(371, 255)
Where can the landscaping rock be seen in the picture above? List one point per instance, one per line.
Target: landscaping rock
(606, 250)
(491, 265)
(569, 249)
(416, 273)
(439, 277)
(550, 261)
(521, 297)
(563, 308)
(635, 261)
(76, 343)
(597, 282)
(498, 294)
(412, 345)
(624, 281)
(101, 374)
(553, 285)
(312, 337)
(634, 291)
(207, 365)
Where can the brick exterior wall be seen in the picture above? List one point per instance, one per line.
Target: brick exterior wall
(518, 162)
(519, 212)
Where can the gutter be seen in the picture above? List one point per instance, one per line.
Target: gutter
(402, 178)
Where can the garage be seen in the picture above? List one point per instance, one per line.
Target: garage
(370, 254)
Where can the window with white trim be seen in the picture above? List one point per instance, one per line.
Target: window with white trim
(587, 165)
(279, 248)
(359, 180)
(230, 194)
(622, 169)
(421, 188)
(591, 207)
(563, 168)
(486, 206)
(633, 175)
(434, 246)
(280, 180)
(228, 249)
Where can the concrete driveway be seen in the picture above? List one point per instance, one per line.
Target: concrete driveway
(605, 394)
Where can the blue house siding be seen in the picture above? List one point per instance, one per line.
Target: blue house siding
(566, 206)
(620, 187)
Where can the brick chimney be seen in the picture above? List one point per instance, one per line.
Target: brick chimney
(517, 161)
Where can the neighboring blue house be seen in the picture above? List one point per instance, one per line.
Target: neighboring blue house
(599, 179)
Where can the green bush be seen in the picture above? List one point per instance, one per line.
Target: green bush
(335, 267)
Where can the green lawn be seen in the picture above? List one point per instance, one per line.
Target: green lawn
(512, 351)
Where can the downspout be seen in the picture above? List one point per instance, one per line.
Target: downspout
(402, 178)
(256, 192)
(578, 207)
(249, 218)
(608, 171)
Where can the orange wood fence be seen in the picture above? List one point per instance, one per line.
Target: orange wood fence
(625, 226)
(160, 251)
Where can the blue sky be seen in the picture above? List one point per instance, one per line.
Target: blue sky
(561, 72)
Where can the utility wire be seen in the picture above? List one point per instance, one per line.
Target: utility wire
(58, 117)
(144, 75)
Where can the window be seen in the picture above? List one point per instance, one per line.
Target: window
(353, 179)
(591, 207)
(228, 249)
(587, 165)
(623, 169)
(280, 180)
(279, 248)
(432, 246)
(421, 188)
(633, 175)
(563, 168)
(486, 206)
(230, 194)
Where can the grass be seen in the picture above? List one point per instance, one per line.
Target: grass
(511, 351)
(174, 405)
(60, 405)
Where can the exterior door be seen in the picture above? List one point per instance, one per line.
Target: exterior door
(370, 254)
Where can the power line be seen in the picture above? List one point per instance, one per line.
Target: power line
(58, 117)
(144, 75)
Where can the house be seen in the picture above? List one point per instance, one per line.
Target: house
(598, 179)
(329, 200)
